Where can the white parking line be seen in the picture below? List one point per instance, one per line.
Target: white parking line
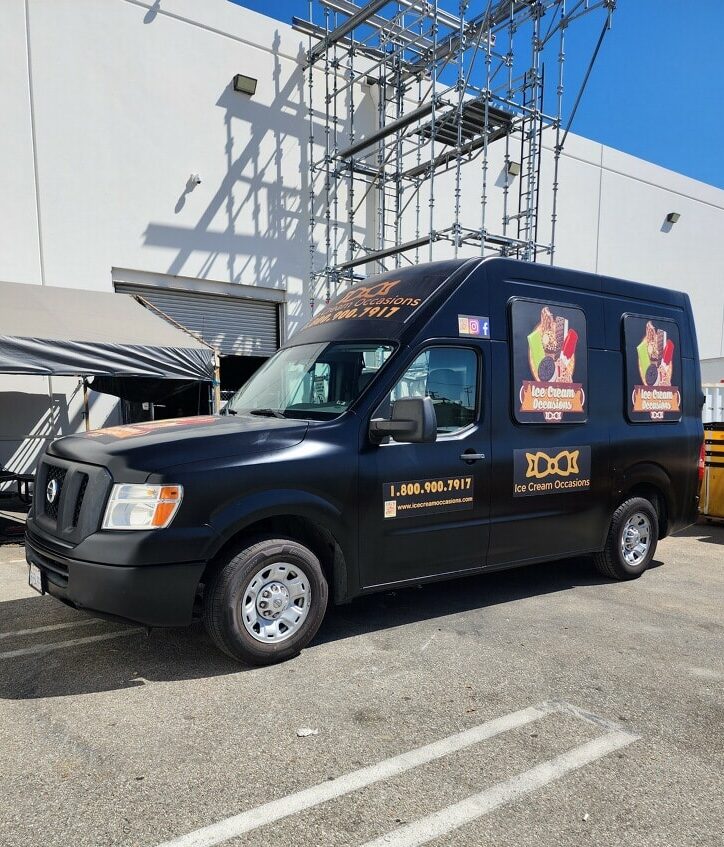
(440, 823)
(48, 628)
(386, 769)
(61, 645)
(447, 819)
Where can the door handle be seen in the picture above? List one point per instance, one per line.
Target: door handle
(471, 456)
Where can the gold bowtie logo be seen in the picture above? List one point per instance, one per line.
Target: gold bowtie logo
(541, 465)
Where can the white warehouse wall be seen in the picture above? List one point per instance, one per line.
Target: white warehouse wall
(128, 101)
(636, 242)
(611, 219)
(108, 108)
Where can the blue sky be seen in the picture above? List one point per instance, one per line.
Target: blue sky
(656, 88)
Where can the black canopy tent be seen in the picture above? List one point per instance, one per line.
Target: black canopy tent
(53, 331)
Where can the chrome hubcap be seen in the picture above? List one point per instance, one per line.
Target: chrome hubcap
(276, 602)
(272, 600)
(636, 539)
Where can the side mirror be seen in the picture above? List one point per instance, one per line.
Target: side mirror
(413, 421)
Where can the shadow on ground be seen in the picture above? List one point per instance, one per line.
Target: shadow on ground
(182, 654)
(710, 532)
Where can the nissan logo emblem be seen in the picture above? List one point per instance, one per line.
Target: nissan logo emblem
(51, 492)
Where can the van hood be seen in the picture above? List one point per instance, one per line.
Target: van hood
(153, 446)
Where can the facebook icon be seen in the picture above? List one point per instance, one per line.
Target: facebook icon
(474, 325)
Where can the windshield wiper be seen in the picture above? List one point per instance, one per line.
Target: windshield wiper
(267, 413)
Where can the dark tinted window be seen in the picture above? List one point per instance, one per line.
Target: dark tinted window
(653, 369)
(550, 362)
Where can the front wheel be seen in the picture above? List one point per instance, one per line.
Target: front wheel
(267, 602)
(631, 541)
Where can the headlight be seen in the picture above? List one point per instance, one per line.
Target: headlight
(142, 506)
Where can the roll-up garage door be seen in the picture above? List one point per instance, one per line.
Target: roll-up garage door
(235, 326)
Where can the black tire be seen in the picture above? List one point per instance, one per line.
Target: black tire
(610, 562)
(224, 595)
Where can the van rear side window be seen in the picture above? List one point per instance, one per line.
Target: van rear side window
(550, 362)
(653, 369)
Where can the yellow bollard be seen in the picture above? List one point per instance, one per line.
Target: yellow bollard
(712, 486)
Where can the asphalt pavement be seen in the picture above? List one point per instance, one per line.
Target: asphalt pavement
(539, 706)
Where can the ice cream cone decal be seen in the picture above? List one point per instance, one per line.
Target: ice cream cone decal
(655, 397)
(552, 390)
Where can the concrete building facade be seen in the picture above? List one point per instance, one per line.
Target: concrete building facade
(132, 163)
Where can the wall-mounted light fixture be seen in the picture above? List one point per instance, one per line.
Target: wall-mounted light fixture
(514, 168)
(672, 217)
(245, 84)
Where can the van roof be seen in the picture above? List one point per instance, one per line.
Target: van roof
(383, 306)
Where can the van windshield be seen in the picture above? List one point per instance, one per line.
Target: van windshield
(315, 381)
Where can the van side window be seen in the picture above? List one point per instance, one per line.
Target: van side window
(549, 350)
(449, 375)
(652, 356)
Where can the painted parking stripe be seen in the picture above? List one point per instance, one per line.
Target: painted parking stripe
(300, 801)
(49, 628)
(446, 820)
(62, 645)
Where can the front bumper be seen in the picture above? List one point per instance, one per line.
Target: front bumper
(153, 595)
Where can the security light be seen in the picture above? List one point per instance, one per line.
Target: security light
(672, 217)
(514, 168)
(245, 84)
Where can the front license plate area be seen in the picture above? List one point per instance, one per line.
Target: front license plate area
(36, 579)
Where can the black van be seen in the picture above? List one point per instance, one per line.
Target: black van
(438, 420)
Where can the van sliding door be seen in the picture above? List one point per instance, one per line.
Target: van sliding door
(552, 402)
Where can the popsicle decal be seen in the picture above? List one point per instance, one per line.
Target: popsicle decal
(652, 359)
(550, 381)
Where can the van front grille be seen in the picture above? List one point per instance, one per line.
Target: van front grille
(52, 501)
(79, 498)
(78, 493)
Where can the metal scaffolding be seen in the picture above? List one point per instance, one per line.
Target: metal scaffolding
(403, 94)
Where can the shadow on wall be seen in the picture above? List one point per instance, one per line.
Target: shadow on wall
(274, 245)
(28, 423)
(153, 11)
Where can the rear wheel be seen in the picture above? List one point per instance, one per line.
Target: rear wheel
(631, 541)
(267, 602)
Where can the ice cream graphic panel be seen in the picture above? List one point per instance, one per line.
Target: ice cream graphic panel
(652, 345)
(553, 388)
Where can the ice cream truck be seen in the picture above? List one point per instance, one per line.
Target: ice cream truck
(440, 420)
